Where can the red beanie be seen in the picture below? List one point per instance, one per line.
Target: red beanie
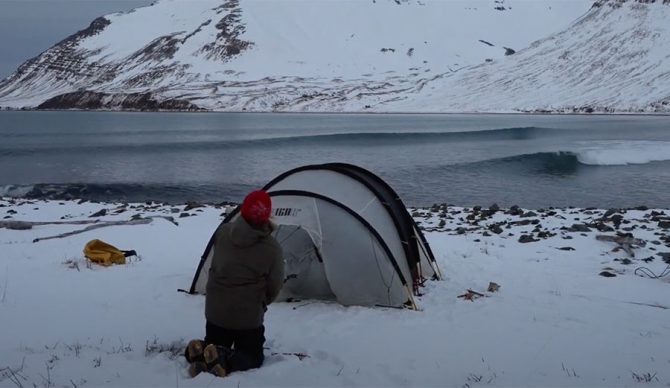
(256, 207)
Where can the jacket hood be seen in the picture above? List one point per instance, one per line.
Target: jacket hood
(242, 234)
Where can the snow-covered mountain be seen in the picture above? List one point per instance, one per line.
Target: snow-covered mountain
(359, 55)
(616, 58)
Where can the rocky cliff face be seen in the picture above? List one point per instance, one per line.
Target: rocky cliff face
(130, 101)
(383, 55)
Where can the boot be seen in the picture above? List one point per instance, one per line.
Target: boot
(194, 351)
(196, 367)
(215, 358)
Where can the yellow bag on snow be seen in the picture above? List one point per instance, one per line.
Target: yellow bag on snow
(105, 254)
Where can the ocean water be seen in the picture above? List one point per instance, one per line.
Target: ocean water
(529, 160)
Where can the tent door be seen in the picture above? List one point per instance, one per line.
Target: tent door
(304, 273)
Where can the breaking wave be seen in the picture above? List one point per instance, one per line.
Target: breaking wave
(570, 160)
(625, 153)
(607, 153)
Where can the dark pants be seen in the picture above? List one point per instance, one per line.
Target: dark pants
(246, 345)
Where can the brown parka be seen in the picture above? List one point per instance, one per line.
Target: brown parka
(246, 275)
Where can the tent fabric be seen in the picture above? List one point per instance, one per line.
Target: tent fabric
(346, 236)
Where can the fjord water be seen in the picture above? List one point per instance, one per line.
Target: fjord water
(530, 160)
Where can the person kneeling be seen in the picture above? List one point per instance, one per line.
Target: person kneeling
(246, 275)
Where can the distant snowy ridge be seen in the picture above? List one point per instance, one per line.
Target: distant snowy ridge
(360, 56)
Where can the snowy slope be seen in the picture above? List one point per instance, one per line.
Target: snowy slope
(554, 321)
(279, 55)
(614, 59)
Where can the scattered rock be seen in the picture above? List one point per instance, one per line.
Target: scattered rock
(567, 248)
(579, 228)
(183, 215)
(609, 213)
(604, 228)
(495, 228)
(617, 219)
(529, 214)
(100, 213)
(665, 256)
(664, 224)
(515, 211)
(607, 274)
(493, 287)
(526, 238)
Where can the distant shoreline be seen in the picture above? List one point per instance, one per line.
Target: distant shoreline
(633, 114)
(225, 204)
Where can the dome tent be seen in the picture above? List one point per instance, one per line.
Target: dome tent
(346, 236)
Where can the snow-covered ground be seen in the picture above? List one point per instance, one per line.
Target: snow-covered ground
(555, 321)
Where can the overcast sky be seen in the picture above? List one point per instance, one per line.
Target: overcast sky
(28, 27)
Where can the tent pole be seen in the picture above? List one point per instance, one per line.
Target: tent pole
(434, 267)
(411, 298)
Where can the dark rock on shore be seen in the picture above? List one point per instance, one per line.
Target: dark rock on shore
(603, 228)
(515, 211)
(495, 228)
(131, 101)
(101, 213)
(579, 228)
(665, 256)
(526, 238)
(193, 205)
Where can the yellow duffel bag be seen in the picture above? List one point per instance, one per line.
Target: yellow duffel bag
(105, 254)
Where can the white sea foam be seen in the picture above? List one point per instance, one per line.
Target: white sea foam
(619, 153)
(14, 190)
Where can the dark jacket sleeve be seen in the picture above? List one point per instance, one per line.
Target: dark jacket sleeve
(275, 279)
